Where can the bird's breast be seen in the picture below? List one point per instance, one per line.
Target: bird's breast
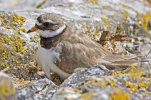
(45, 56)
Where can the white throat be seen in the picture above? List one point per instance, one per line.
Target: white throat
(48, 33)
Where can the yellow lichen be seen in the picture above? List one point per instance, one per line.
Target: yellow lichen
(134, 72)
(146, 22)
(112, 82)
(100, 82)
(93, 32)
(9, 47)
(87, 96)
(41, 4)
(143, 84)
(19, 20)
(132, 86)
(13, 22)
(77, 90)
(6, 88)
(23, 30)
(119, 95)
(93, 1)
(105, 22)
(125, 14)
(117, 73)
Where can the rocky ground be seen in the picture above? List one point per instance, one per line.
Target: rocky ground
(121, 26)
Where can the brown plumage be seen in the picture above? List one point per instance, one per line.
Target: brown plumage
(76, 49)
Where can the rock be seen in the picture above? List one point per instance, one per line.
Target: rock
(40, 89)
(96, 84)
(7, 91)
(92, 84)
(76, 78)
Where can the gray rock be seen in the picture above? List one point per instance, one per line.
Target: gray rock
(7, 91)
(75, 80)
(38, 90)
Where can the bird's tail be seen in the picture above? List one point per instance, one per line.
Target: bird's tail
(118, 62)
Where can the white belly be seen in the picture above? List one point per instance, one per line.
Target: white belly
(46, 59)
(45, 56)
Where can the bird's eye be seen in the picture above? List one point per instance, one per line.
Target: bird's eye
(46, 24)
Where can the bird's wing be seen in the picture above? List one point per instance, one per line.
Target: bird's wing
(79, 51)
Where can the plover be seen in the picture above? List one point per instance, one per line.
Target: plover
(63, 49)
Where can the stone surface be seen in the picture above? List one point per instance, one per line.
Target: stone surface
(7, 91)
(40, 89)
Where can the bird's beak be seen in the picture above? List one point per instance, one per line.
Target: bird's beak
(33, 29)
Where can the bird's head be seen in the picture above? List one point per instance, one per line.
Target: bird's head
(48, 25)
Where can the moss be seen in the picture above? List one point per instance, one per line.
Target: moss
(11, 49)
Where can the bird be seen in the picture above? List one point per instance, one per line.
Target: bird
(62, 49)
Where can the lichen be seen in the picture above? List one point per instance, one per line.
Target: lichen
(87, 96)
(143, 84)
(93, 1)
(134, 72)
(132, 86)
(105, 22)
(11, 50)
(6, 87)
(12, 21)
(119, 95)
(146, 22)
(93, 32)
(100, 82)
(41, 4)
(125, 14)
